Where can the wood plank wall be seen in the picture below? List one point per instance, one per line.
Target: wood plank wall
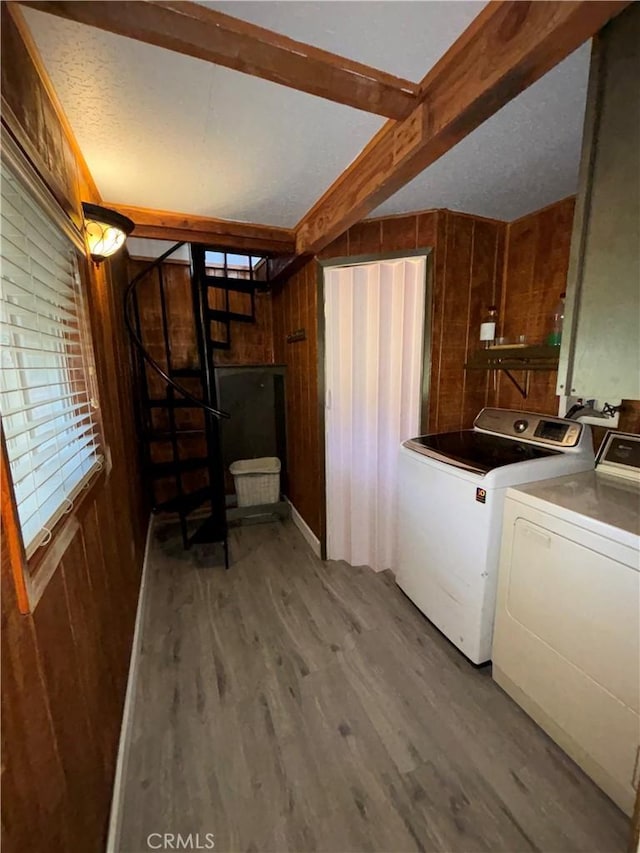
(469, 253)
(466, 276)
(64, 666)
(251, 343)
(535, 274)
(295, 307)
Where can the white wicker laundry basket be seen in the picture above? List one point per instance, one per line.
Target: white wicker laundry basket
(257, 480)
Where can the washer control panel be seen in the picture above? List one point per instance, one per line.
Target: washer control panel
(538, 429)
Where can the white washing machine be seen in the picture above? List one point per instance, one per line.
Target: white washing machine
(567, 634)
(451, 489)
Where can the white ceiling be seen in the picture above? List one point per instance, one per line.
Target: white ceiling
(167, 131)
(524, 157)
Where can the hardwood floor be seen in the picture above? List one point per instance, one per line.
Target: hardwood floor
(295, 705)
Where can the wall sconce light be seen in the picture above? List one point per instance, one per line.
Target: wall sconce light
(105, 229)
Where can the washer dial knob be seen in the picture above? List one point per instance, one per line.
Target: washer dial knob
(520, 425)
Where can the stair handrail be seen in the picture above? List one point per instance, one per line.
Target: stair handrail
(137, 340)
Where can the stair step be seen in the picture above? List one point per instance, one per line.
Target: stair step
(229, 316)
(213, 530)
(194, 372)
(166, 435)
(239, 285)
(184, 504)
(165, 469)
(167, 402)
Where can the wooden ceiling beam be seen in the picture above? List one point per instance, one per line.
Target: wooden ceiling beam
(223, 233)
(506, 48)
(198, 31)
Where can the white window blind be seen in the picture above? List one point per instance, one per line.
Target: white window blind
(47, 376)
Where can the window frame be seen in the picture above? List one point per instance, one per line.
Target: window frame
(32, 574)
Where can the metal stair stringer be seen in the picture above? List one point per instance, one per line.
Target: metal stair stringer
(214, 528)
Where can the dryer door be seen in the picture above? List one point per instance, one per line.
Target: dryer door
(566, 634)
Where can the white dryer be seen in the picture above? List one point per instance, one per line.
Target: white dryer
(567, 633)
(451, 489)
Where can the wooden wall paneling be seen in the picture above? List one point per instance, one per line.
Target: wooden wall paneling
(125, 370)
(365, 238)
(79, 753)
(316, 389)
(493, 379)
(535, 274)
(311, 386)
(12, 541)
(125, 584)
(294, 307)
(180, 317)
(520, 266)
(281, 297)
(299, 351)
(70, 714)
(27, 824)
(113, 596)
(454, 308)
(437, 316)
(482, 293)
(292, 322)
(399, 232)
(106, 328)
(304, 457)
(339, 248)
(90, 631)
(149, 311)
(251, 343)
(65, 663)
(427, 229)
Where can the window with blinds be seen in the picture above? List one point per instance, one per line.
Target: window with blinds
(47, 388)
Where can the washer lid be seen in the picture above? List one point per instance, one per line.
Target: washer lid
(476, 451)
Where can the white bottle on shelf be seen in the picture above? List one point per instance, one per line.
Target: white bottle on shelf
(488, 327)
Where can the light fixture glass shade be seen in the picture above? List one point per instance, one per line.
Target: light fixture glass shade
(106, 230)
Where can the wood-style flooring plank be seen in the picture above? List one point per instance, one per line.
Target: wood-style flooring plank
(296, 705)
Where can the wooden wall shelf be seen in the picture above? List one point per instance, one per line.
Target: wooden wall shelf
(527, 358)
(538, 357)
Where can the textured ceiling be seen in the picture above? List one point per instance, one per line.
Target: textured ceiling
(171, 132)
(524, 157)
(403, 37)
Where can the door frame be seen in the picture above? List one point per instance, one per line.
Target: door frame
(355, 261)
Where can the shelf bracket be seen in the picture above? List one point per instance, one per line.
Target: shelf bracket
(523, 391)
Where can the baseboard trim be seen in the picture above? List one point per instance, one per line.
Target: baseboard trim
(304, 528)
(113, 836)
